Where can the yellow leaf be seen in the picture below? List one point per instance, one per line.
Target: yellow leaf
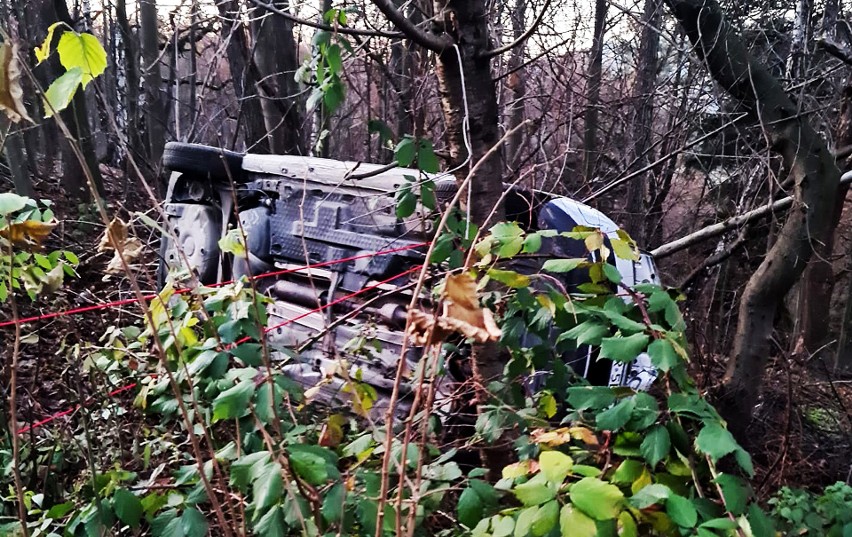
(42, 52)
(594, 241)
(11, 93)
(27, 233)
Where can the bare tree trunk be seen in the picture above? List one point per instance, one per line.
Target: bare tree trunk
(192, 79)
(14, 151)
(276, 57)
(815, 176)
(798, 43)
(243, 78)
(155, 104)
(469, 103)
(127, 77)
(593, 93)
(843, 356)
(76, 116)
(643, 119)
(516, 84)
(319, 139)
(817, 285)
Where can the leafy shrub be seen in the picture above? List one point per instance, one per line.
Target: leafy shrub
(799, 512)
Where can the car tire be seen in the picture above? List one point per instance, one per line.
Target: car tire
(218, 164)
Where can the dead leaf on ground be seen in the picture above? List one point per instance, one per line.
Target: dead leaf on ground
(27, 233)
(11, 92)
(131, 249)
(461, 314)
(114, 237)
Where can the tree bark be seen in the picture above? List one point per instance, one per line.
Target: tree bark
(276, 58)
(815, 176)
(76, 116)
(593, 93)
(643, 119)
(517, 88)
(14, 150)
(155, 103)
(251, 113)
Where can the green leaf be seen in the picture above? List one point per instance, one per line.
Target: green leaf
(127, 507)
(628, 471)
(563, 265)
(241, 469)
(404, 152)
(589, 332)
(233, 402)
(555, 465)
(715, 441)
(663, 355)
(546, 519)
(721, 524)
(509, 237)
(268, 485)
(193, 522)
(309, 466)
(625, 249)
(573, 523)
(271, 524)
(332, 503)
(11, 202)
(406, 201)
(59, 94)
(426, 159)
(612, 273)
(470, 508)
(523, 526)
(761, 525)
(734, 492)
(681, 511)
(650, 495)
(509, 278)
(656, 445)
(536, 491)
(590, 397)
(503, 526)
(82, 51)
(532, 243)
(624, 349)
(597, 499)
(744, 460)
(613, 419)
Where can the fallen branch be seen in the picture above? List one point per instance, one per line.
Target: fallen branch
(726, 225)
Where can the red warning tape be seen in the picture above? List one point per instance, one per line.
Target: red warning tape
(128, 387)
(107, 305)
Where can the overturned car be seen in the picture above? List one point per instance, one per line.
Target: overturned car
(323, 240)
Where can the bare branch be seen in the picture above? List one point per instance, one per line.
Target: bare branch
(326, 27)
(523, 37)
(426, 40)
(717, 229)
(836, 49)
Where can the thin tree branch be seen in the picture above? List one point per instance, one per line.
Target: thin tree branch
(836, 49)
(426, 40)
(521, 38)
(326, 27)
(725, 225)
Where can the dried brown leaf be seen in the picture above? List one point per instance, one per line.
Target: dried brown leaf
(131, 249)
(11, 92)
(114, 237)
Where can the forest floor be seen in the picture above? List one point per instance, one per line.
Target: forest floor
(801, 436)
